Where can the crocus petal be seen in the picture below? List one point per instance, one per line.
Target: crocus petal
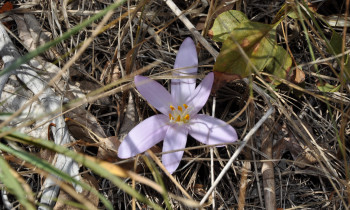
(201, 94)
(146, 134)
(210, 130)
(175, 139)
(186, 57)
(154, 93)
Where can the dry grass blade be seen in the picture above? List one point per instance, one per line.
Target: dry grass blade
(50, 102)
(296, 158)
(237, 152)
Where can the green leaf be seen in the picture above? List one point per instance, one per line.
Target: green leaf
(328, 88)
(280, 63)
(158, 178)
(258, 42)
(292, 14)
(347, 67)
(13, 185)
(336, 43)
(225, 23)
(44, 165)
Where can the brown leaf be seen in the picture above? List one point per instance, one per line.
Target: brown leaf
(65, 198)
(8, 6)
(83, 125)
(199, 189)
(220, 79)
(86, 85)
(110, 75)
(108, 149)
(32, 34)
(301, 154)
(298, 76)
(201, 23)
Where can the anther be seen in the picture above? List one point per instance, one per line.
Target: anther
(187, 117)
(172, 108)
(179, 108)
(178, 119)
(185, 105)
(171, 117)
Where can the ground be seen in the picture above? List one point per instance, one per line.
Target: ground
(293, 129)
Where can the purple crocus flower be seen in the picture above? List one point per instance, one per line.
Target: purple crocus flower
(179, 113)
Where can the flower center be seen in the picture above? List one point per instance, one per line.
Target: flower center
(179, 115)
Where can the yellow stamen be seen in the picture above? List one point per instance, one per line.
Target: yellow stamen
(185, 105)
(172, 108)
(179, 108)
(178, 119)
(187, 117)
(171, 117)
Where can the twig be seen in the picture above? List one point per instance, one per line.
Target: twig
(191, 28)
(212, 178)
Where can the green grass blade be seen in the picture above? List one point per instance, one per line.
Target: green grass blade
(44, 165)
(17, 63)
(13, 185)
(93, 165)
(158, 179)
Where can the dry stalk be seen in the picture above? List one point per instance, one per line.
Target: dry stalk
(268, 166)
(246, 169)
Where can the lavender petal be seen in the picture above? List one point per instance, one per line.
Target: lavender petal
(145, 135)
(210, 130)
(175, 138)
(185, 65)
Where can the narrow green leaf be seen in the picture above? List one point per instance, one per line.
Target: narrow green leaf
(292, 14)
(44, 165)
(158, 179)
(18, 62)
(13, 185)
(328, 88)
(84, 160)
(336, 43)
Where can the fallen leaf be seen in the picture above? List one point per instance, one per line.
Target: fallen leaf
(199, 189)
(64, 198)
(220, 79)
(83, 125)
(298, 76)
(8, 6)
(108, 149)
(32, 34)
